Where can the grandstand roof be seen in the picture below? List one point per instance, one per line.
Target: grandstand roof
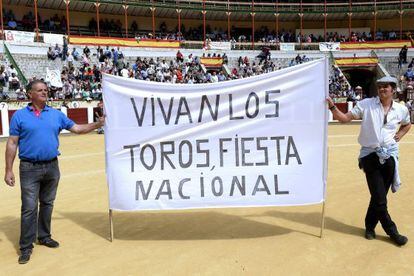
(265, 10)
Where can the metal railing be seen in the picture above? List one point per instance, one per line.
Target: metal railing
(14, 63)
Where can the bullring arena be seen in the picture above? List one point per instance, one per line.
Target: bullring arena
(213, 42)
(255, 241)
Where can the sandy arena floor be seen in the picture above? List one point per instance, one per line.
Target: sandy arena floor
(256, 241)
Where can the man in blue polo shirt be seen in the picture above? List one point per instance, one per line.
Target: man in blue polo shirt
(34, 130)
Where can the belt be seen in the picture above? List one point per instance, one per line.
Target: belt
(38, 162)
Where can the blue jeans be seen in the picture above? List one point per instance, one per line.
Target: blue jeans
(39, 182)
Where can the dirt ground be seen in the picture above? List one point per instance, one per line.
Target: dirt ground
(251, 241)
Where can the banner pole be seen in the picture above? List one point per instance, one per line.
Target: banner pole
(324, 201)
(322, 220)
(111, 226)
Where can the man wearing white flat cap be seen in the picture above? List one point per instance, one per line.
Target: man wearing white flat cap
(384, 123)
(358, 93)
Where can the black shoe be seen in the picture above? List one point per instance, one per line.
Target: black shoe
(370, 234)
(399, 239)
(49, 242)
(24, 258)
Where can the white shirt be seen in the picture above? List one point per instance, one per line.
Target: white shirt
(374, 132)
(125, 73)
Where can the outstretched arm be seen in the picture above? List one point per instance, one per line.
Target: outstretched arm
(338, 114)
(86, 128)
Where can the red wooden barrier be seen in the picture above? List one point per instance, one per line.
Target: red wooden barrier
(11, 112)
(342, 106)
(78, 115)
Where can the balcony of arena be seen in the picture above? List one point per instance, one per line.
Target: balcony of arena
(247, 24)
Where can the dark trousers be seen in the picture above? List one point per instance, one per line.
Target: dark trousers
(38, 183)
(379, 178)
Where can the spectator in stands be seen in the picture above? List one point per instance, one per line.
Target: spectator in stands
(14, 82)
(359, 93)
(58, 51)
(409, 75)
(409, 92)
(75, 54)
(86, 51)
(65, 48)
(92, 24)
(21, 93)
(11, 70)
(264, 54)
(221, 76)
(214, 77)
(115, 56)
(403, 54)
(3, 77)
(179, 56)
(124, 72)
(411, 64)
(12, 24)
(379, 151)
(108, 53)
(134, 26)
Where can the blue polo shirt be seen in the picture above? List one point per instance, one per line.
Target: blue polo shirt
(38, 136)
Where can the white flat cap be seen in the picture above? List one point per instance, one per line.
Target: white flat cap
(388, 79)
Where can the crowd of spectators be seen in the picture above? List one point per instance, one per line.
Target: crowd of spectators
(338, 85)
(81, 80)
(10, 82)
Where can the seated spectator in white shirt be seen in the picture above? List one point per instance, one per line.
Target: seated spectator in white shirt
(11, 70)
(14, 82)
(124, 73)
(21, 93)
(51, 54)
(214, 77)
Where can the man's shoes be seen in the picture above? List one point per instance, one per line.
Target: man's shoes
(399, 239)
(24, 258)
(49, 242)
(370, 234)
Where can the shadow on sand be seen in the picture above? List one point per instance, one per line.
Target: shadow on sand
(314, 219)
(174, 226)
(10, 226)
(194, 225)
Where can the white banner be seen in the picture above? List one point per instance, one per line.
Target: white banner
(53, 77)
(288, 47)
(53, 39)
(219, 45)
(258, 141)
(19, 37)
(329, 46)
